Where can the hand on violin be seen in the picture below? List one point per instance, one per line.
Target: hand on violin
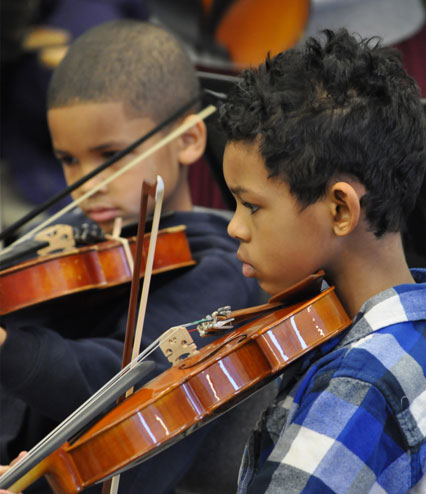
(3, 335)
(5, 468)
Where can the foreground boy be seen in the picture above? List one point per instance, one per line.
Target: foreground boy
(117, 82)
(326, 153)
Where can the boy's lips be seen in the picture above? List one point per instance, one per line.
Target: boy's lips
(102, 214)
(247, 268)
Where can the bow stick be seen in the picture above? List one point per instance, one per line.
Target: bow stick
(203, 114)
(133, 337)
(117, 156)
(157, 211)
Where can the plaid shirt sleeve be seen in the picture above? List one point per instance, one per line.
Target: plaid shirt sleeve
(356, 423)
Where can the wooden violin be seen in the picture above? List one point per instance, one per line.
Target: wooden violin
(40, 286)
(97, 266)
(195, 390)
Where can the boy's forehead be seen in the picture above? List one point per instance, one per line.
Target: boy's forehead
(120, 108)
(243, 166)
(246, 174)
(237, 153)
(105, 112)
(242, 153)
(96, 120)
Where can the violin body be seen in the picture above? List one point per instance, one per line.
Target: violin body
(97, 266)
(191, 393)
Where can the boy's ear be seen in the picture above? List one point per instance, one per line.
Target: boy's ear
(192, 142)
(345, 207)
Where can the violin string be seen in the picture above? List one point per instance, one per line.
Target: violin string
(26, 463)
(96, 397)
(80, 411)
(202, 115)
(114, 381)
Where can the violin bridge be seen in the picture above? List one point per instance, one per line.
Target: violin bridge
(59, 237)
(177, 344)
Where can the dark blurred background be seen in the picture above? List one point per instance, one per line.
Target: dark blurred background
(222, 36)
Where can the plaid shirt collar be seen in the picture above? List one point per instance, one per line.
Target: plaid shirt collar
(395, 305)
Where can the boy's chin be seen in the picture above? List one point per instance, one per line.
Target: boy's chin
(271, 288)
(107, 227)
(268, 288)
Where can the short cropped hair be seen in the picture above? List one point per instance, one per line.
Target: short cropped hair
(129, 61)
(342, 107)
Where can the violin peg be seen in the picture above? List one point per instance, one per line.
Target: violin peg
(216, 322)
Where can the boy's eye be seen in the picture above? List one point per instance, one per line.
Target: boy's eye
(67, 160)
(253, 208)
(109, 154)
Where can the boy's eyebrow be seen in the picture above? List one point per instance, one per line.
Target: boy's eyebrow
(107, 145)
(250, 193)
(59, 151)
(237, 191)
(101, 147)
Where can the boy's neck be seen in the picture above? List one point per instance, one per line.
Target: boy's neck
(369, 267)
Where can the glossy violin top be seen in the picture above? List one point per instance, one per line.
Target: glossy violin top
(98, 266)
(197, 388)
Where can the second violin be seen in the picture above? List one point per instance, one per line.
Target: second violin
(96, 266)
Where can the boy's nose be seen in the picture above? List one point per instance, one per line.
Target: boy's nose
(237, 230)
(95, 181)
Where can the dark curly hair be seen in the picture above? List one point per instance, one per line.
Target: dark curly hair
(345, 107)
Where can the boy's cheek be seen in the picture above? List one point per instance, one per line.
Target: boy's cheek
(70, 176)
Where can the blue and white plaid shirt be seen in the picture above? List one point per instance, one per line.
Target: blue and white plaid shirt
(356, 421)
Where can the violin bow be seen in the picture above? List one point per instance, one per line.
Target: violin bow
(216, 81)
(70, 426)
(133, 338)
(117, 156)
(132, 341)
(203, 114)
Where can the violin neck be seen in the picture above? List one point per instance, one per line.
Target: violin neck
(30, 477)
(35, 464)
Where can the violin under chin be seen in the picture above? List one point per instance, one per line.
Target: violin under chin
(199, 388)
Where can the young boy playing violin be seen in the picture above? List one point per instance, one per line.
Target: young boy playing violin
(116, 83)
(325, 156)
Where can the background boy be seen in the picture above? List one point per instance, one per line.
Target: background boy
(117, 81)
(326, 154)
